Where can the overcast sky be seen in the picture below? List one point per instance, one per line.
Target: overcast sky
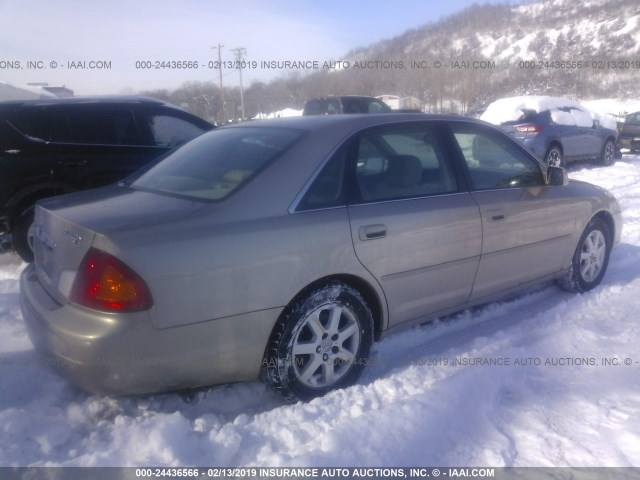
(123, 32)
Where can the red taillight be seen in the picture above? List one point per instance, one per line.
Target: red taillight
(105, 283)
(530, 129)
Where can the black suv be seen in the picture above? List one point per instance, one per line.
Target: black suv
(54, 146)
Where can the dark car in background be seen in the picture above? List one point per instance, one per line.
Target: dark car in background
(54, 146)
(629, 137)
(345, 104)
(556, 130)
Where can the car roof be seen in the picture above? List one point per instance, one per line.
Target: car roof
(340, 96)
(103, 99)
(358, 120)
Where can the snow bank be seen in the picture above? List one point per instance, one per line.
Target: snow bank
(287, 112)
(612, 109)
(563, 111)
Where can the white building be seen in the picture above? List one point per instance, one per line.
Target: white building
(32, 91)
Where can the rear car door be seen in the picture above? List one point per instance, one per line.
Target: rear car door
(412, 226)
(102, 144)
(74, 146)
(592, 137)
(527, 226)
(563, 129)
(30, 135)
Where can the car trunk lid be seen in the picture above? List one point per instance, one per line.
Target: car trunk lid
(65, 227)
(59, 246)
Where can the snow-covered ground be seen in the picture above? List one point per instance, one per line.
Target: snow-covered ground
(568, 410)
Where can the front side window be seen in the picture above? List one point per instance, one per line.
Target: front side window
(494, 162)
(214, 165)
(402, 162)
(169, 131)
(377, 106)
(633, 118)
(322, 106)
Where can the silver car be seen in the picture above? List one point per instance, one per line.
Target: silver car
(282, 249)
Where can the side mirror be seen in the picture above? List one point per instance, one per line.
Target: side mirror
(596, 123)
(557, 176)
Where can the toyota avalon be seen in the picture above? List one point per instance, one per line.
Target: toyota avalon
(283, 249)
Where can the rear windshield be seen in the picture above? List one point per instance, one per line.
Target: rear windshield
(216, 164)
(529, 116)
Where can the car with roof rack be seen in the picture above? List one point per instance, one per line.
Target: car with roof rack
(556, 130)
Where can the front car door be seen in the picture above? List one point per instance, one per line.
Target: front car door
(527, 226)
(413, 226)
(591, 136)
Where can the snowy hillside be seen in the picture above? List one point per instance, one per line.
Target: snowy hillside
(532, 30)
(560, 48)
(559, 391)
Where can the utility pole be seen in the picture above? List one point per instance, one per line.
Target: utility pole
(224, 112)
(239, 52)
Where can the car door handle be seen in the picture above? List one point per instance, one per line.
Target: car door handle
(72, 163)
(371, 232)
(496, 215)
(12, 152)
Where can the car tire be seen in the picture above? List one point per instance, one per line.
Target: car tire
(22, 235)
(319, 344)
(591, 258)
(608, 155)
(554, 158)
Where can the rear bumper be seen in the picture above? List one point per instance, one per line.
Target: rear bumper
(126, 354)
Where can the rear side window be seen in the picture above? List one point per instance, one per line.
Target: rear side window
(402, 162)
(170, 131)
(494, 162)
(103, 125)
(79, 124)
(216, 164)
(328, 189)
(354, 105)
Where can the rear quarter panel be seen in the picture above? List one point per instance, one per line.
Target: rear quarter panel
(199, 271)
(248, 252)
